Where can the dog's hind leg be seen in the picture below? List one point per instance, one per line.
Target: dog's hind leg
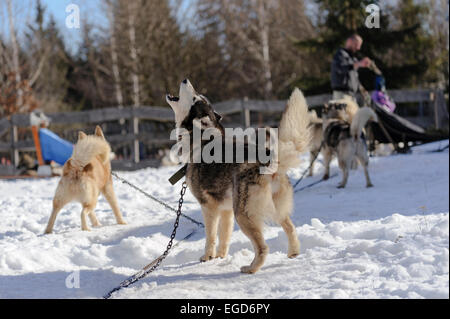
(366, 173)
(226, 224)
(253, 229)
(250, 207)
(94, 220)
(211, 218)
(88, 208)
(327, 156)
(58, 204)
(363, 158)
(283, 204)
(345, 166)
(346, 156)
(312, 157)
(108, 192)
(60, 199)
(294, 243)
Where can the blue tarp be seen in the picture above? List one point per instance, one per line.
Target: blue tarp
(53, 147)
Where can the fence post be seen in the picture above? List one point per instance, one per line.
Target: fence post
(245, 113)
(440, 109)
(123, 130)
(135, 130)
(14, 140)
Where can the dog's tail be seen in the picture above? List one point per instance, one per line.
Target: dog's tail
(90, 147)
(360, 120)
(293, 134)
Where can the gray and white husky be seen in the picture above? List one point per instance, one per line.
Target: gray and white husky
(345, 138)
(227, 190)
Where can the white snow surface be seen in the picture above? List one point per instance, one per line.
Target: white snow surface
(390, 241)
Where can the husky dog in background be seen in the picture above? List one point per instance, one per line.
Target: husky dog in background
(345, 113)
(239, 189)
(85, 175)
(343, 135)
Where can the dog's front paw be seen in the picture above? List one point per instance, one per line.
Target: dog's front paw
(369, 185)
(294, 251)
(341, 186)
(221, 255)
(222, 252)
(326, 177)
(248, 269)
(207, 257)
(122, 222)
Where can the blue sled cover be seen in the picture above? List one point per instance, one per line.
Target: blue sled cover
(53, 147)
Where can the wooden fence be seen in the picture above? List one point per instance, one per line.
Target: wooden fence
(430, 104)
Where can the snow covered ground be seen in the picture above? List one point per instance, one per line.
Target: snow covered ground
(390, 241)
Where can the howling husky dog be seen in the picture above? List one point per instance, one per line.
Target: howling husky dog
(85, 175)
(343, 135)
(224, 189)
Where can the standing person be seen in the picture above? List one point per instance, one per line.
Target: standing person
(344, 69)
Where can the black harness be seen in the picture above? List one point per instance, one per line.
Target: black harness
(336, 132)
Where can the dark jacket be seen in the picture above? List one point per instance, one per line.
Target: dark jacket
(343, 76)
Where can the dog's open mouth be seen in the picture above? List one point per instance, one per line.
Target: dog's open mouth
(172, 98)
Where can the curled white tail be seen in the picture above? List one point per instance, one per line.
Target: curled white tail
(360, 120)
(89, 147)
(293, 133)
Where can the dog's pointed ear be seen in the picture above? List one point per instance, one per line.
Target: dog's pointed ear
(218, 117)
(99, 132)
(81, 135)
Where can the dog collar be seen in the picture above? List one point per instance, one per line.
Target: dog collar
(175, 178)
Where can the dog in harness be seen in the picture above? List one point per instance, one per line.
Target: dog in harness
(345, 139)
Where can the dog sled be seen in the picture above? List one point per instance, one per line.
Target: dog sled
(392, 128)
(395, 129)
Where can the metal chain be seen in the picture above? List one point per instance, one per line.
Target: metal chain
(155, 264)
